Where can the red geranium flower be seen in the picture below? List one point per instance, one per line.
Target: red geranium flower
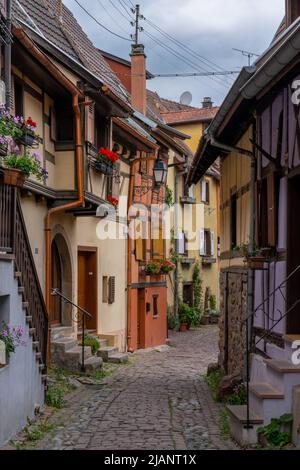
(112, 200)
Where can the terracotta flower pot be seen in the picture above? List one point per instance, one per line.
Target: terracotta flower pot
(183, 327)
(13, 177)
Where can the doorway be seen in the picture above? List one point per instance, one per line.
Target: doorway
(141, 314)
(188, 294)
(293, 255)
(87, 284)
(56, 283)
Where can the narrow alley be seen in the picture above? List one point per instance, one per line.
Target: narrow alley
(158, 401)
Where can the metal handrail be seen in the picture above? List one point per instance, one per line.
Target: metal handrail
(279, 288)
(85, 314)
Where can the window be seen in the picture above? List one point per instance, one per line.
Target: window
(183, 244)
(207, 242)
(205, 191)
(18, 93)
(233, 221)
(155, 305)
(268, 195)
(188, 294)
(105, 289)
(53, 124)
(65, 122)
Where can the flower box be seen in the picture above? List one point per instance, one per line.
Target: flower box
(256, 263)
(13, 177)
(103, 167)
(28, 139)
(3, 150)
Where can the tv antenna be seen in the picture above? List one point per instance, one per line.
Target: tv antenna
(248, 54)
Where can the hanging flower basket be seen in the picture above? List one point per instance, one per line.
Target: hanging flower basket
(153, 268)
(167, 266)
(13, 177)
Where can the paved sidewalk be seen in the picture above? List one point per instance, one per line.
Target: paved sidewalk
(159, 402)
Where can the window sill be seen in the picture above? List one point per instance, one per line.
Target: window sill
(208, 260)
(188, 261)
(188, 200)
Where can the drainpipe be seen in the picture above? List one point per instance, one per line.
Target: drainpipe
(7, 54)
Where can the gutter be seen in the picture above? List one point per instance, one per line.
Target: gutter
(278, 60)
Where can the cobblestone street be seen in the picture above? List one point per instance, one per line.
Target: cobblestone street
(158, 401)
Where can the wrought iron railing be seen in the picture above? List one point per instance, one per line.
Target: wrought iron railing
(14, 240)
(76, 318)
(270, 322)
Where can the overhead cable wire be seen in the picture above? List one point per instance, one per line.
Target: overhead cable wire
(119, 10)
(182, 58)
(111, 16)
(181, 45)
(100, 24)
(124, 6)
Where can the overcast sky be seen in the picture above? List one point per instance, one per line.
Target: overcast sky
(210, 28)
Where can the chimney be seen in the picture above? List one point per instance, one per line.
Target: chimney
(292, 11)
(207, 102)
(138, 78)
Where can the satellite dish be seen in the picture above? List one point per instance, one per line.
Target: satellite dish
(186, 98)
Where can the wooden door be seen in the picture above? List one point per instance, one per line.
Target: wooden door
(188, 294)
(293, 255)
(56, 283)
(87, 285)
(141, 320)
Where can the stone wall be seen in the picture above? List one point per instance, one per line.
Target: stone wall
(233, 306)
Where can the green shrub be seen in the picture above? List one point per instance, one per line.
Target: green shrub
(213, 380)
(92, 342)
(238, 397)
(188, 314)
(55, 397)
(172, 319)
(274, 433)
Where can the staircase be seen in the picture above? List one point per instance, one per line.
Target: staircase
(67, 353)
(111, 354)
(273, 378)
(270, 394)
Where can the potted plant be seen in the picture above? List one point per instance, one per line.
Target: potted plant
(105, 161)
(152, 268)
(167, 266)
(254, 258)
(12, 337)
(188, 316)
(18, 167)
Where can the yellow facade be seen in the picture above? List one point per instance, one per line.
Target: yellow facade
(194, 219)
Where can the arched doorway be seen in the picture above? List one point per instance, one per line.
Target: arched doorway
(56, 283)
(61, 279)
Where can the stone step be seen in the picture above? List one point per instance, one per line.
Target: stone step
(106, 352)
(61, 332)
(92, 363)
(21, 290)
(264, 390)
(25, 305)
(77, 351)
(118, 358)
(238, 425)
(267, 401)
(283, 366)
(63, 344)
(103, 343)
(17, 274)
(28, 319)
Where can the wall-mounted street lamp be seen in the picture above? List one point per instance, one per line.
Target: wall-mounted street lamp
(160, 173)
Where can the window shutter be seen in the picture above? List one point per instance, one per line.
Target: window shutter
(191, 191)
(90, 124)
(207, 191)
(181, 243)
(111, 290)
(203, 191)
(272, 208)
(139, 249)
(202, 242)
(212, 243)
(52, 124)
(158, 246)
